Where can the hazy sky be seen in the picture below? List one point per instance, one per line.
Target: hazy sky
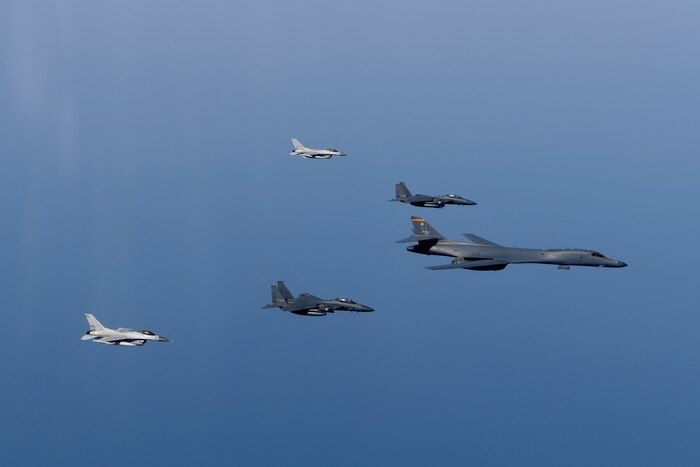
(145, 177)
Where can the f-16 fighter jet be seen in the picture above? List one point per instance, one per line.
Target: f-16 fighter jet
(428, 201)
(120, 336)
(309, 305)
(300, 150)
(483, 255)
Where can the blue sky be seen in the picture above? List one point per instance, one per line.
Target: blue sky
(145, 177)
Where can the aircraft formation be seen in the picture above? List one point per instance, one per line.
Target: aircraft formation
(478, 254)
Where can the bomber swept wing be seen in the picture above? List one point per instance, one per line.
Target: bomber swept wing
(479, 240)
(475, 264)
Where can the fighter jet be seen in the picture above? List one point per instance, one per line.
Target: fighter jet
(428, 201)
(484, 255)
(120, 336)
(310, 305)
(308, 153)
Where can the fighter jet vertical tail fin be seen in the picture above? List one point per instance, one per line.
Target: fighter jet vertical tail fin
(402, 191)
(297, 144)
(94, 324)
(284, 291)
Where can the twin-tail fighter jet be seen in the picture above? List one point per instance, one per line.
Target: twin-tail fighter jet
(428, 201)
(308, 153)
(483, 255)
(120, 336)
(309, 305)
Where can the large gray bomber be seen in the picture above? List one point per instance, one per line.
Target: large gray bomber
(310, 305)
(124, 337)
(428, 201)
(483, 255)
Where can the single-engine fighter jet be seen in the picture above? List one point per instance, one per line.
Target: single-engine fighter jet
(120, 336)
(428, 201)
(300, 150)
(483, 255)
(310, 305)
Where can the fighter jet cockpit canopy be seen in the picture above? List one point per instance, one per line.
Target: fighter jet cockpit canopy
(451, 195)
(344, 300)
(332, 149)
(147, 332)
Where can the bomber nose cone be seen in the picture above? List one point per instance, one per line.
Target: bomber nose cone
(621, 264)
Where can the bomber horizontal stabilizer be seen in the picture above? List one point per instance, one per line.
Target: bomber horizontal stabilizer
(417, 238)
(484, 264)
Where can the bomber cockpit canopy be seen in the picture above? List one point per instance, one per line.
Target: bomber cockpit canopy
(147, 332)
(597, 255)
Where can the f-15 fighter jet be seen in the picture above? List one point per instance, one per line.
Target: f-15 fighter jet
(483, 255)
(310, 305)
(120, 336)
(428, 201)
(300, 150)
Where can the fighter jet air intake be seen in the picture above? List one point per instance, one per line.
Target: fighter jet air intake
(308, 153)
(484, 255)
(310, 305)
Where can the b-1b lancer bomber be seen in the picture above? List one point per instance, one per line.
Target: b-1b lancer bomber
(310, 305)
(483, 255)
(428, 201)
(308, 153)
(122, 336)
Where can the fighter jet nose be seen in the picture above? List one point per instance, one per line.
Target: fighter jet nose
(368, 309)
(163, 339)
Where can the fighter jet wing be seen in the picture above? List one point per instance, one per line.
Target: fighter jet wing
(111, 339)
(472, 264)
(479, 240)
(304, 302)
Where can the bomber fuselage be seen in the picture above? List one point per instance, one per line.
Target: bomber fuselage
(471, 251)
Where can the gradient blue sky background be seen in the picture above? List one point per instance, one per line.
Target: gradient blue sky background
(145, 177)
